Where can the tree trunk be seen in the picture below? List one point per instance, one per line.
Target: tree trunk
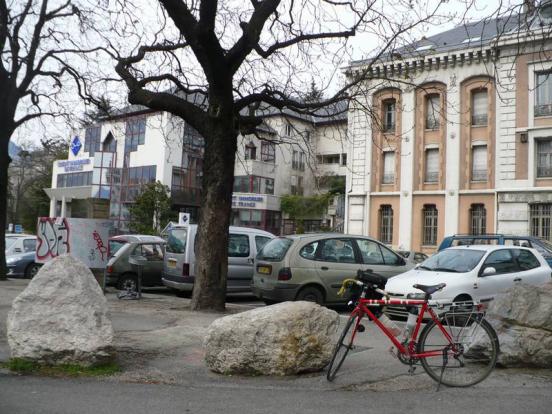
(5, 134)
(214, 220)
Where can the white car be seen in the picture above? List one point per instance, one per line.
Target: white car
(471, 272)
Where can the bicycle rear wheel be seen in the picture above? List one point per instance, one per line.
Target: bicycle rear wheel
(477, 350)
(343, 346)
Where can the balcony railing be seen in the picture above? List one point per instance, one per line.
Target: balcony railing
(544, 171)
(543, 110)
(479, 175)
(479, 120)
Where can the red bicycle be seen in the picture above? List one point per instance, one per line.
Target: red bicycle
(457, 347)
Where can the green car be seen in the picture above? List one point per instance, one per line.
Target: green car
(312, 267)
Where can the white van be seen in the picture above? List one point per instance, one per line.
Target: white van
(179, 263)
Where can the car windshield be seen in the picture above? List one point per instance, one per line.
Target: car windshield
(453, 260)
(275, 249)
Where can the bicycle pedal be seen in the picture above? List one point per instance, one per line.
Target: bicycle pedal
(361, 328)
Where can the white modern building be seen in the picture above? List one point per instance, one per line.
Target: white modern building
(109, 162)
(463, 143)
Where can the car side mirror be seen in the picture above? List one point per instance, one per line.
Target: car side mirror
(488, 271)
(417, 266)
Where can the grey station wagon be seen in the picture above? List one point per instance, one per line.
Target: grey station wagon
(313, 266)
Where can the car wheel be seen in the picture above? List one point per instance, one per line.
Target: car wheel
(128, 282)
(32, 270)
(311, 294)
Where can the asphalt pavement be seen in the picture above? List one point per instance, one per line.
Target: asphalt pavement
(159, 346)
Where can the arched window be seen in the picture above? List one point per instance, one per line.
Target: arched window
(386, 224)
(433, 111)
(109, 144)
(478, 219)
(479, 107)
(430, 222)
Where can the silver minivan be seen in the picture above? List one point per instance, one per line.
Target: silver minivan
(179, 264)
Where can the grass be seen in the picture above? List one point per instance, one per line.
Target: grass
(24, 366)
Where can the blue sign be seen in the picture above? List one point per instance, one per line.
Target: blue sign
(18, 229)
(76, 145)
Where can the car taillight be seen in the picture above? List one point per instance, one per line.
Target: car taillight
(186, 269)
(284, 273)
(109, 269)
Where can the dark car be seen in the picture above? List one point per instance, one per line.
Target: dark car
(22, 265)
(544, 247)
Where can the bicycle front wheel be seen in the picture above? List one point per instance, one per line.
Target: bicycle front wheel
(343, 346)
(474, 354)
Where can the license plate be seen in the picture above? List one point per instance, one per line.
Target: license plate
(265, 270)
(171, 264)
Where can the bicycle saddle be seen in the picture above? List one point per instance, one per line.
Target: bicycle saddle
(367, 276)
(429, 289)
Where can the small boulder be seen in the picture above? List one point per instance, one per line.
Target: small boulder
(61, 317)
(283, 339)
(522, 318)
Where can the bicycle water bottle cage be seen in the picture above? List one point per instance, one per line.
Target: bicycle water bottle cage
(368, 277)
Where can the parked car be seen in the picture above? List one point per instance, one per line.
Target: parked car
(180, 265)
(119, 272)
(544, 247)
(313, 266)
(472, 272)
(412, 256)
(19, 243)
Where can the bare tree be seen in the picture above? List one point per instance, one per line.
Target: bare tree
(219, 64)
(34, 47)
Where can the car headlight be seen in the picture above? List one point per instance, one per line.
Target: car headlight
(11, 260)
(416, 296)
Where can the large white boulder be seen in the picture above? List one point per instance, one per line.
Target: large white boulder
(522, 318)
(61, 317)
(283, 339)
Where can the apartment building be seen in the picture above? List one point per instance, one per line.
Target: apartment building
(110, 161)
(462, 143)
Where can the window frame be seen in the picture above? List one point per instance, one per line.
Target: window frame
(389, 115)
(484, 265)
(479, 120)
(428, 175)
(430, 225)
(543, 171)
(385, 228)
(432, 120)
(478, 219)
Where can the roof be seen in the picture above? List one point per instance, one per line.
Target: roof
(474, 35)
(485, 247)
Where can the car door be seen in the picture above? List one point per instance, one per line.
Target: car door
(531, 270)
(240, 267)
(487, 286)
(379, 259)
(335, 261)
(152, 267)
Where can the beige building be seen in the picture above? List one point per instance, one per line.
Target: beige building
(462, 143)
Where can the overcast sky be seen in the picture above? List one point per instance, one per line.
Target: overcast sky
(361, 46)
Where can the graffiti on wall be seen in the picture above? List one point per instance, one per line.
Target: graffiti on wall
(53, 238)
(85, 239)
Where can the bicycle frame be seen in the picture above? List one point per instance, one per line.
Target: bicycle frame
(362, 309)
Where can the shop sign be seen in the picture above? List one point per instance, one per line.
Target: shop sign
(76, 145)
(73, 165)
(247, 201)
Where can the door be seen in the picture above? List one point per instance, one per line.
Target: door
(486, 287)
(379, 259)
(530, 269)
(335, 261)
(153, 266)
(240, 266)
